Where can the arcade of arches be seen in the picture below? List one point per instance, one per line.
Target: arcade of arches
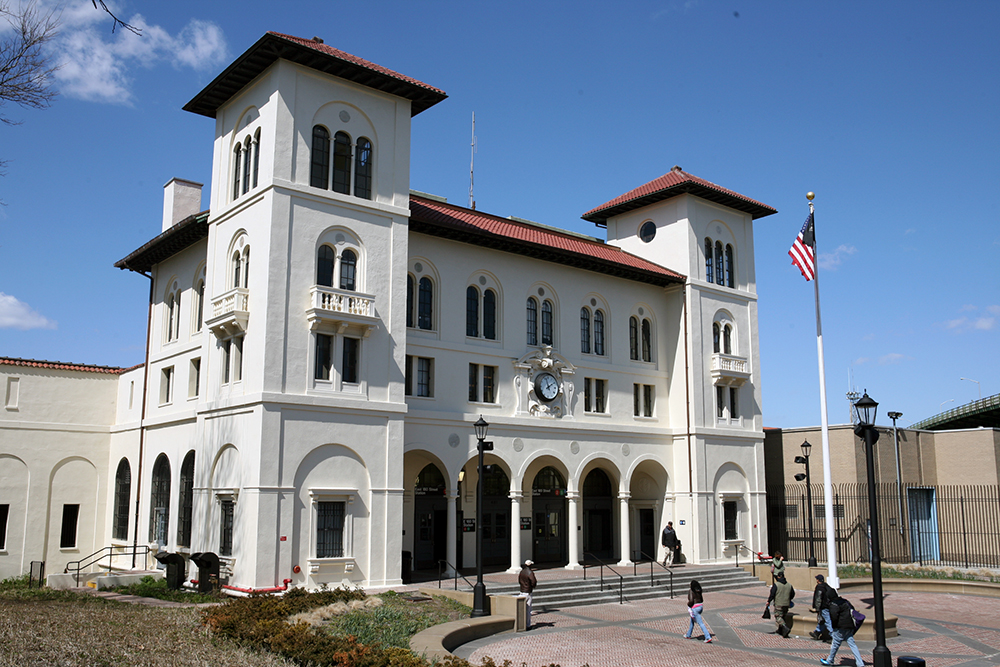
(585, 513)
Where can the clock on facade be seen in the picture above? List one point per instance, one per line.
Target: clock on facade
(546, 386)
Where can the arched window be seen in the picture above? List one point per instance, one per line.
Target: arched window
(471, 311)
(532, 320)
(237, 267)
(716, 347)
(599, 332)
(256, 155)
(647, 340)
(186, 506)
(171, 317)
(319, 167)
(548, 482)
(159, 500)
(409, 300)
(730, 268)
(363, 169)
(584, 331)
(237, 155)
(341, 163)
(727, 339)
(247, 156)
(425, 304)
(708, 260)
(348, 270)
(324, 266)
(246, 267)
(546, 322)
(123, 490)
(490, 315)
(718, 264)
(200, 295)
(633, 338)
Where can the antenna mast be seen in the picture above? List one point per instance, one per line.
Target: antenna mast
(472, 165)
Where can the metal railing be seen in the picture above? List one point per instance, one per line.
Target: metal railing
(36, 573)
(652, 582)
(602, 565)
(441, 567)
(95, 558)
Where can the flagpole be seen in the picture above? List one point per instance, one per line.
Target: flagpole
(831, 537)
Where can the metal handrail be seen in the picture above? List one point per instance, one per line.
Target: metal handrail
(99, 555)
(454, 569)
(602, 565)
(651, 580)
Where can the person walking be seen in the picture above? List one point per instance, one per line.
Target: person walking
(527, 581)
(844, 628)
(671, 545)
(822, 595)
(782, 593)
(777, 565)
(696, 606)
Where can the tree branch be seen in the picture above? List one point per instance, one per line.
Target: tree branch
(25, 71)
(117, 21)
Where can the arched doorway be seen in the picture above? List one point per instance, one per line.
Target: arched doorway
(430, 518)
(548, 505)
(598, 508)
(496, 516)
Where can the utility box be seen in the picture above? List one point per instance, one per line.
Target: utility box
(208, 570)
(175, 567)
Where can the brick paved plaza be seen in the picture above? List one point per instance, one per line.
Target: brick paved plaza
(945, 630)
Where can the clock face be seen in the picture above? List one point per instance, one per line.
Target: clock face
(546, 386)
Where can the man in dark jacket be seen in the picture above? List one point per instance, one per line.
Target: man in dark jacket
(843, 629)
(526, 580)
(671, 544)
(782, 593)
(822, 595)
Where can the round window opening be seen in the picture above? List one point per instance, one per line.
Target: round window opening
(647, 231)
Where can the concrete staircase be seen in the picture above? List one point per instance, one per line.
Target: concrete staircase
(576, 592)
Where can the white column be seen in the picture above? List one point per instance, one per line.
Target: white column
(625, 529)
(515, 532)
(451, 545)
(572, 525)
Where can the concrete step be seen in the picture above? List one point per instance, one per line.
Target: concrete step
(578, 592)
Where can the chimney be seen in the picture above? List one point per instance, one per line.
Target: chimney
(180, 199)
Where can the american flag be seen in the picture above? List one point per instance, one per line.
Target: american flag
(802, 252)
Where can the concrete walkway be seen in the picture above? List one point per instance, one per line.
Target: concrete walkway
(135, 599)
(649, 633)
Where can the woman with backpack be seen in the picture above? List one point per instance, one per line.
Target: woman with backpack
(696, 605)
(844, 626)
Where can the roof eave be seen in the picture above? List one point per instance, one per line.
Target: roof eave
(181, 236)
(270, 47)
(601, 216)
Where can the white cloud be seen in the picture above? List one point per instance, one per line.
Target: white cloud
(956, 324)
(984, 323)
(966, 308)
(995, 310)
(831, 260)
(15, 314)
(980, 319)
(860, 360)
(97, 65)
(891, 358)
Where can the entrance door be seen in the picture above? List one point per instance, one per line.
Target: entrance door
(647, 535)
(598, 524)
(923, 525)
(550, 540)
(548, 505)
(430, 518)
(496, 517)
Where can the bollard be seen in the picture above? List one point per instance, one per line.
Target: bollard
(910, 661)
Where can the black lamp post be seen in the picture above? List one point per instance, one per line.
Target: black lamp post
(479, 603)
(804, 459)
(866, 409)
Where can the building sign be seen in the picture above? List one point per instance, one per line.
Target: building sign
(468, 525)
(525, 523)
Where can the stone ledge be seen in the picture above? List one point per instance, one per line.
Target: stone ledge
(436, 643)
(806, 623)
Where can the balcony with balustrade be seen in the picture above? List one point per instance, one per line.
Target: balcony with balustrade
(728, 369)
(230, 313)
(341, 311)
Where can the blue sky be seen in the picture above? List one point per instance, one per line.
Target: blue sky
(888, 111)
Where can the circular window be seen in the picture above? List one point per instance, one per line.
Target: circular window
(647, 231)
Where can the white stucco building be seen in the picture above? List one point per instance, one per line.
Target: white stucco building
(308, 414)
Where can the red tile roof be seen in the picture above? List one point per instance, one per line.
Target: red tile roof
(318, 56)
(440, 219)
(56, 365)
(676, 182)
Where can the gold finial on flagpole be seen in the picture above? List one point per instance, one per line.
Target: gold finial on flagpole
(810, 195)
